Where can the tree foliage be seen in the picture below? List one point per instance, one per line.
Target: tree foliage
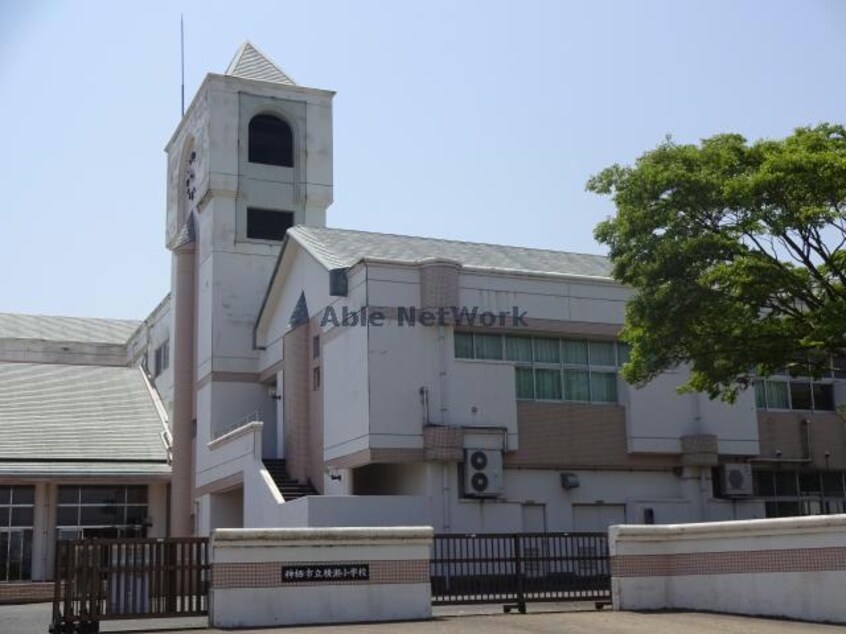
(735, 253)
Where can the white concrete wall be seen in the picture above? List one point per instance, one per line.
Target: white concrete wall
(569, 300)
(243, 594)
(657, 416)
(237, 455)
(482, 394)
(227, 509)
(787, 567)
(345, 362)
(141, 349)
(358, 510)
(298, 272)
(630, 492)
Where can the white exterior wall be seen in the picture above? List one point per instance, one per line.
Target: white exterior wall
(141, 349)
(568, 300)
(657, 416)
(343, 350)
(405, 358)
(298, 271)
(633, 491)
(238, 454)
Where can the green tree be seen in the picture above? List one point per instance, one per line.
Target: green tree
(734, 252)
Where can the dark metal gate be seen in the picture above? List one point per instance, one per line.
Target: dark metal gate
(104, 579)
(520, 568)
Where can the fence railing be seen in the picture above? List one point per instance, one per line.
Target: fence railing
(520, 568)
(104, 579)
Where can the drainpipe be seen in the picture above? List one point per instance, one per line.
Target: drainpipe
(703, 484)
(446, 497)
(806, 431)
(442, 374)
(446, 494)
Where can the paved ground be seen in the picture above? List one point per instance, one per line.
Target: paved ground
(542, 619)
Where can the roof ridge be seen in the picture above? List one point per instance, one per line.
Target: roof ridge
(452, 240)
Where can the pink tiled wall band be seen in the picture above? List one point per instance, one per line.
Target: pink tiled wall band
(732, 562)
(26, 592)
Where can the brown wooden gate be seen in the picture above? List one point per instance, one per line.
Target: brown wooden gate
(104, 579)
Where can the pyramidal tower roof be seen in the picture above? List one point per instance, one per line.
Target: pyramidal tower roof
(251, 63)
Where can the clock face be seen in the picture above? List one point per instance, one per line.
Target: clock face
(191, 180)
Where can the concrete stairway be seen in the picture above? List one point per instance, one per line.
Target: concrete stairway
(289, 488)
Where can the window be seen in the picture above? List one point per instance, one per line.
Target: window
(268, 224)
(792, 492)
(315, 347)
(315, 379)
(487, 346)
(464, 346)
(271, 141)
(548, 368)
(162, 358)
(783, 391)
(101, 511)
(17, 513)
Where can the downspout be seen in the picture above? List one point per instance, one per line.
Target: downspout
(703, 482)
(446, 495)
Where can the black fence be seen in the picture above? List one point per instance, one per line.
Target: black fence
(104, 579)
(520, 568)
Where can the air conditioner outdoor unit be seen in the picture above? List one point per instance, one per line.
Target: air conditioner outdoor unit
(482, 473)
(737, 479)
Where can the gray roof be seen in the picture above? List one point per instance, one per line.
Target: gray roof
(83, 414)
(69, 329)
(340, 248)
(147, 470)
(251, 63)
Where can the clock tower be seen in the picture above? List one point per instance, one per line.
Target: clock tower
(251, 157)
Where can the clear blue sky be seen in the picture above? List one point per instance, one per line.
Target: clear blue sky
(469, 120)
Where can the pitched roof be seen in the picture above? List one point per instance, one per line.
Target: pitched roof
(251, 63)
(76, 329)
(79, 414)
(340, 248)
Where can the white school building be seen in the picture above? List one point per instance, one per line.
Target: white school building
(299, 374)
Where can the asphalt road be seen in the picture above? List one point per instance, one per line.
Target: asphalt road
(541, 619)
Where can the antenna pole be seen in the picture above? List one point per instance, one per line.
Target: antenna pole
(182, 58)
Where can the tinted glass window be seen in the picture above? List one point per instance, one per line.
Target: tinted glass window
(267, 224)
(800, 395)
(824, 396)
(786, 483)
(764, 483)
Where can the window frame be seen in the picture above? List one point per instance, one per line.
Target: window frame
(762, 394)
(465, 348)
(161, 358)
(121, 529)
(23, 533)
